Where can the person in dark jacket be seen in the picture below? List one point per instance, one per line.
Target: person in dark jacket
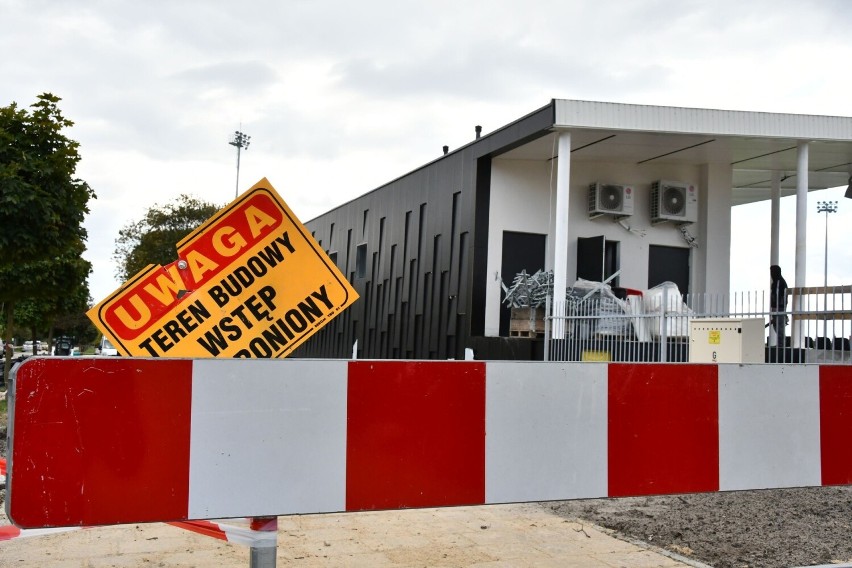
(778, 304)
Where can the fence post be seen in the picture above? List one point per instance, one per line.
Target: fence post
(547, 317)
(664, 336)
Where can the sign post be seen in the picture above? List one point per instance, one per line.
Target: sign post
(264, 556)
(250, 282)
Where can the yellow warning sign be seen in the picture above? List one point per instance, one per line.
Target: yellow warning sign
(714, 336)
(249, 282)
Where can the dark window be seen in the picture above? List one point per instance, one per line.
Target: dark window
(668, 264)
(597, 259)
(361, 260)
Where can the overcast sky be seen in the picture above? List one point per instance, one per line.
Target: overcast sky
(340, 97)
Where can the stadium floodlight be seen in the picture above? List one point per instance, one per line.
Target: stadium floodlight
(241, 141)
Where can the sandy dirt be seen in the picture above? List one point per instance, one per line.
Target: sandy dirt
(493, 536)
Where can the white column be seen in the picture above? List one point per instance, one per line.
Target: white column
(775, 231)
(560, 233)
(710, 263)
(801, 235)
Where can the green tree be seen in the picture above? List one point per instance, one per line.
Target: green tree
(63, 313)
(42, 203)
(153, 239)
(42, 206)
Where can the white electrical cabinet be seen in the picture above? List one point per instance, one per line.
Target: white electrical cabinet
(726, 340)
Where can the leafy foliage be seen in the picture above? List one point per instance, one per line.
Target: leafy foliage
(153, 239)
(42, 207)
(42, 203)
(37, 294)
(44, 278)
(63, 313)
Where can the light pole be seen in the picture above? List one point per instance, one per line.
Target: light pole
(241, 141)
(826, 207)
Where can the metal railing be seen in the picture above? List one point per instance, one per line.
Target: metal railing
(654, 325)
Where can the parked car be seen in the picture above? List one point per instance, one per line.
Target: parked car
(107, 348)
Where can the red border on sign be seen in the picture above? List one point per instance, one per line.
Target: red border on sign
(235, 217)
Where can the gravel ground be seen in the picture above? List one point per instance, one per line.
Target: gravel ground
(755, 529)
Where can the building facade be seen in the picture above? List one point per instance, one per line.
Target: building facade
(587, 190)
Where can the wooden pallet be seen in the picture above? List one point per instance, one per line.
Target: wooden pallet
(526, 333)
(526, 322)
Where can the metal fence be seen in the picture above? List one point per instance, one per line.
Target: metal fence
(595, 324)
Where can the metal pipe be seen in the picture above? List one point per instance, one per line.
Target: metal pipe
(264, 556)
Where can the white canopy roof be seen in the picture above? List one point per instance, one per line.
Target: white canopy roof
(754, 143)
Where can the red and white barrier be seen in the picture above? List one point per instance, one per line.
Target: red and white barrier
(255, 533)
(104, 441)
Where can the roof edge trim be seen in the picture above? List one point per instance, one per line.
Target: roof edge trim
(646, 118)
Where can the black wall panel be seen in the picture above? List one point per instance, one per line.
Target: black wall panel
(422, 294)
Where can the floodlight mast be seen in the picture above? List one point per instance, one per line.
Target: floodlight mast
(241, 141)
(826, 207)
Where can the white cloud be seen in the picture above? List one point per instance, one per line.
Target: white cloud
(340, 97)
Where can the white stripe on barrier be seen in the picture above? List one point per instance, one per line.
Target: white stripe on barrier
(241, 412)
(546, 431)
(769, 433)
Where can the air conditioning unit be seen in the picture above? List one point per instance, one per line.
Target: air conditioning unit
(610, 199)
(674, 201)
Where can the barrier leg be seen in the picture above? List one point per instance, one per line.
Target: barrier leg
(264, 557)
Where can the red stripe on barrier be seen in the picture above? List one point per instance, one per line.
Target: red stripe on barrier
(2, 466)
(835, 422)
(415, 435)
(129, 442)
(663, 429)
